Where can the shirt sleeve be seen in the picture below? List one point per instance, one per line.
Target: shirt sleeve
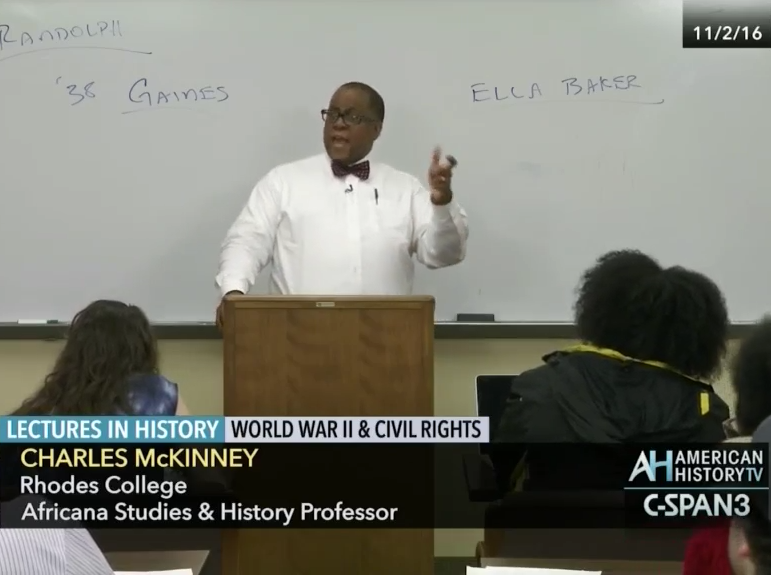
(52, 548)
(248, 245)
(440, 232)
(83, 555)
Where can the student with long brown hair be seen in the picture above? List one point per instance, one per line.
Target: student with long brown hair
(109, 366)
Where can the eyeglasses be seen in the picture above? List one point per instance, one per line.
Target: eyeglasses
(333, 116)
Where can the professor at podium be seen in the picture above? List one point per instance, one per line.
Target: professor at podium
(341, 224)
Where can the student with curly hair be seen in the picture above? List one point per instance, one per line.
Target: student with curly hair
(651, 339)
(749, 538)
(737, 547)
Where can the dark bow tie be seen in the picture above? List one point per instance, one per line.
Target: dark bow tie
(360, 170)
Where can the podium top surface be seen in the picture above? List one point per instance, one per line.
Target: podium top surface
(332, 301)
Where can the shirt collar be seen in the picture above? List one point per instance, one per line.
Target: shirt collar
(367, 158)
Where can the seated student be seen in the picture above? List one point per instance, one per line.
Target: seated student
(750, 542)
(109, 366)
(651, 338)
(707, 550)
(749, 539)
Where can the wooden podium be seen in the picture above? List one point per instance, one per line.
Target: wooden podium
(335, 356)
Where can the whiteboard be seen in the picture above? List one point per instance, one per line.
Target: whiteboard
(106, 194)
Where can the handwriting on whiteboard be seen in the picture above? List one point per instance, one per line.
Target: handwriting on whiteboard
(86, 36)
(143, 96)
(626, 89)
(10, 38)
(151, 97)
(79, 93)
(140, 96)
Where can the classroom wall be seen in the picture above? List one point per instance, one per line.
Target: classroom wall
(197, 367)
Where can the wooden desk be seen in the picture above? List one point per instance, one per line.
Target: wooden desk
(608, 567)
(157, 560)
(163, 540)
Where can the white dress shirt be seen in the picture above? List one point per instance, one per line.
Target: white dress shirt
(339, 236)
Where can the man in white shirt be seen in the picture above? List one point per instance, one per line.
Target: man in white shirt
(339, 224)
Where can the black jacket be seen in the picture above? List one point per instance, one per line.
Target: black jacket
(600, 398)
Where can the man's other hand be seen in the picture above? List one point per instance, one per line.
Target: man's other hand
(221, 309)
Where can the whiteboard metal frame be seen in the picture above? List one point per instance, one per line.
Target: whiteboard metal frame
(442, 330)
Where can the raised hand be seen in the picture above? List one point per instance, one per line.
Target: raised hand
(440, 177)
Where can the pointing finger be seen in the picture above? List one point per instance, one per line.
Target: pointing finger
(437, 155)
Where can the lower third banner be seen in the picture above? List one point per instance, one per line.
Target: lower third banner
(209, 486)
(375, 486)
